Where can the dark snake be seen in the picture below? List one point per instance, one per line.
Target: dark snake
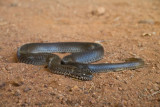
(77, 64)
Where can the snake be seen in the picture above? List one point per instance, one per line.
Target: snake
(78, 64)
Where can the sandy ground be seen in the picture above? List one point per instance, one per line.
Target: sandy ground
(126, 28)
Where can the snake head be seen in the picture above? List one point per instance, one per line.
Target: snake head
(82, 75)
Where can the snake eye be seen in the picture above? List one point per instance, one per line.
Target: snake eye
(83, 74)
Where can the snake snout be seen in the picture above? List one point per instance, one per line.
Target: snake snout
(82, 75)
(86, 76)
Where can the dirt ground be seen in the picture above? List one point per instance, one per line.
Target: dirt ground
(126, 28)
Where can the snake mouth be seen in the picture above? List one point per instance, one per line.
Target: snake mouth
(82, 75)
(84, 78)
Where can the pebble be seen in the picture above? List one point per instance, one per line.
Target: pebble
(118, 78)
(63, 101)
(17, 93)
(52, 93)
(60, 96)
(117, 19)
(94, 95)
(99, 11)
(125, 82)
(1, 57)
(159, 42)
(17, 83)
(23, 104)
(120, 89)
(154, 33)
(70, 102)
(92, 101)
(146, 34)
(27, 89)
(76, 105)
(156, 87)
(13, 4)
(2, 85)
(86, 92)
(3, 23)
(23, 69)
(50, 88)
(8, 68)
(74, 88)
(45, 85)
(119, 105)
(158, 82)
(149, 21)
(81, 102)
(39, 104)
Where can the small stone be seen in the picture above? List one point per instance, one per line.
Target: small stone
(81, 102)
(3, 23)
(39, 104)
(13, 4)
(92, 101)
(17, 83)
(75, 87)
(63, 100)
(23, 69)
(50, 88)
(158, 82)
(55, 89)
(27, 89)
(2, 85)
(94, 95)
(70, 102)
(99, 11)
(125, 82)
(45, 86)
(118, 78)
(149, 21)
(52, 93)
(117, 19)
(100, 41)
(154, 33)
(1, 57)
(17, 93)
(146, 34)
(86, 92)
(20, 101)
(156, 87)
(120, 89)
(60, 96)
(76, 105)
(119, 105)
(24, 105)
(8, 68)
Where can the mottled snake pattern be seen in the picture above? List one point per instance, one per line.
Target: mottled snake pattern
(77, 64)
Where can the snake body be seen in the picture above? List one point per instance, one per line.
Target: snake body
(77, 64)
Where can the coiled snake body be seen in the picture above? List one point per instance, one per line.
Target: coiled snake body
(77, 64)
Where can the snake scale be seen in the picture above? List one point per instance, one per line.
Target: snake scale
(77, 64)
